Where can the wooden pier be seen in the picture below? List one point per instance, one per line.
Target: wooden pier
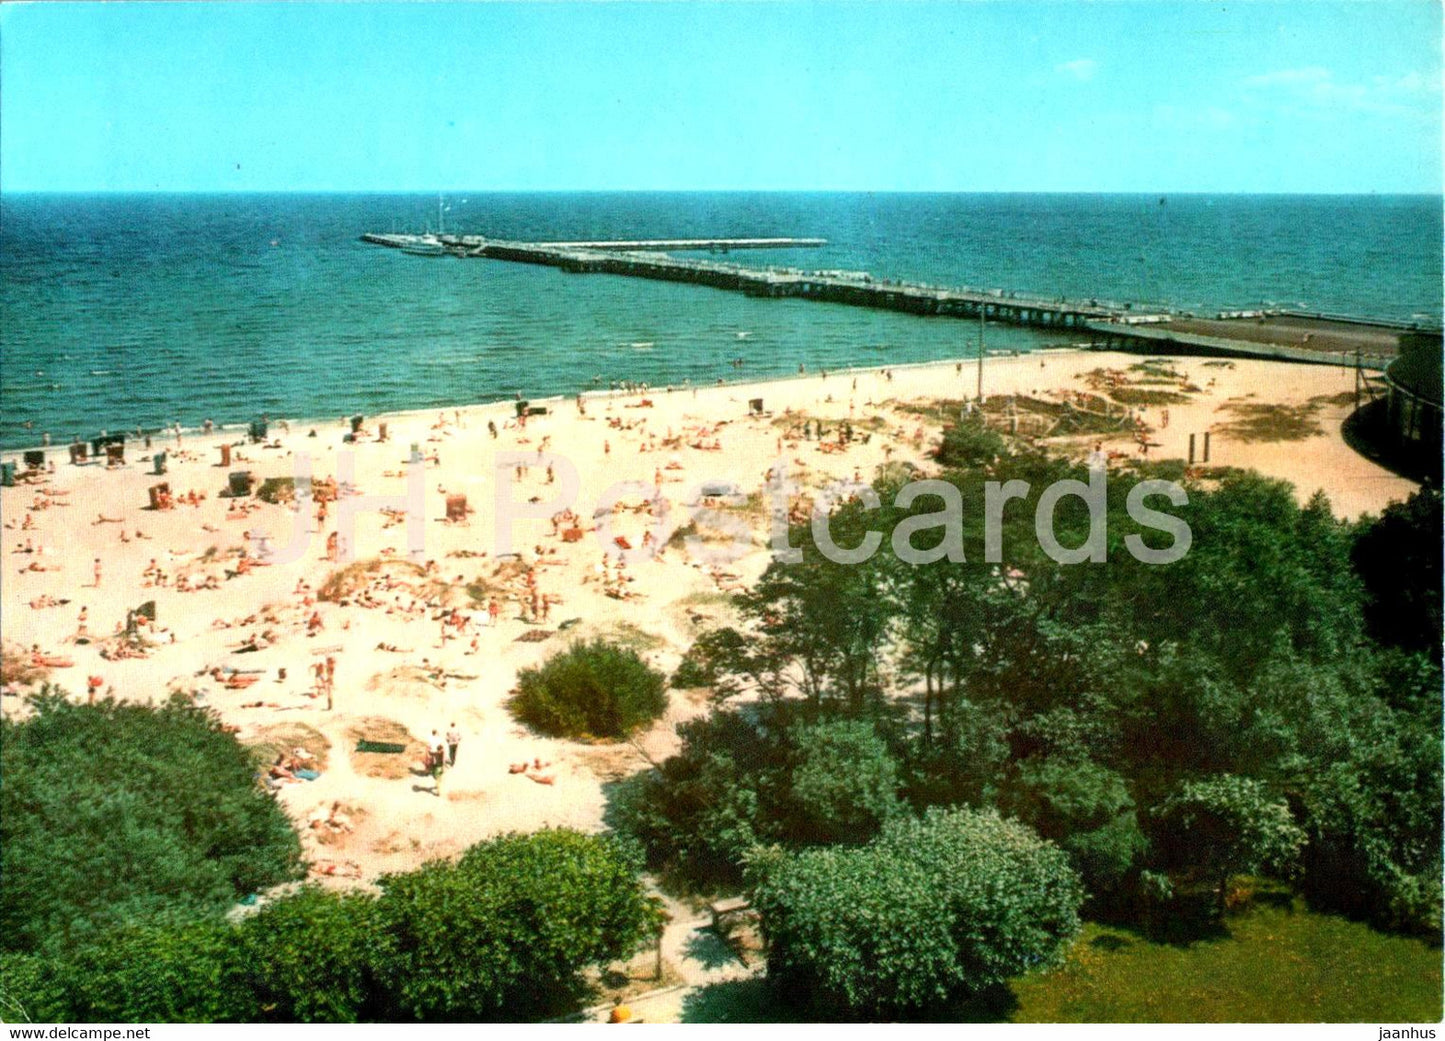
(644, 259)
(1328, 339)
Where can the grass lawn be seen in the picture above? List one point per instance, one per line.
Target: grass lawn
(1276, 964)
(1271, 964)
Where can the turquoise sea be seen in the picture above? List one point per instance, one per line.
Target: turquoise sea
(118, 311)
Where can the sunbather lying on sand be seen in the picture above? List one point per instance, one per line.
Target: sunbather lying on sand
(534, 771)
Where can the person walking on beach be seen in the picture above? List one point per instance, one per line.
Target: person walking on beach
(454, 738)
(97, 572)
(437, 760)
(330, 679)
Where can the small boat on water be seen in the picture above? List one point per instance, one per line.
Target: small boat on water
(425, 246)
(430, 244)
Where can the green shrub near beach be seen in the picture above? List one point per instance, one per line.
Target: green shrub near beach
(116, 813)
(502, 934)
(593, 689)
(936, 908)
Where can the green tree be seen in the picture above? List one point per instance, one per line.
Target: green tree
(1398, 558)
(934, 909)
(724, 792)
(595, 689)
(504, 932)
(818, 626)
(115, 812)
(1086, 809)
(1227, 825)
(845, 783)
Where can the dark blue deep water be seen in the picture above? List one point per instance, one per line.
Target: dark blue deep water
(118, 311)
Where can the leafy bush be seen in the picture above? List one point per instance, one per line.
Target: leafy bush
(845, 783)
(1373, 819)
(1086, 809)
(971, 442)
(595, 689)
(310, 957)
(1398, 557)
(1227, 825)
(277, 489)
(113, 812)
(934, 909)
(737, 784)
(703, 808)
(502, 933)
(155, 973)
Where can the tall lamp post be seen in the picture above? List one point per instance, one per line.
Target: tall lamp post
(981, 308)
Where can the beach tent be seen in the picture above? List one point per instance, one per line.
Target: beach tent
(79, 453)
(756, 405)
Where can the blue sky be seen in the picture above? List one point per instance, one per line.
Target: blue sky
(1160, 96)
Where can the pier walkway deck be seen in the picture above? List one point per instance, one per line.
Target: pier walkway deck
(643, 259)
(1329, 339)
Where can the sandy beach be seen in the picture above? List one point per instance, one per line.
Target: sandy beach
(246, 638)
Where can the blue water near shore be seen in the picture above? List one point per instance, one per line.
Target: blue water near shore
(118, 311)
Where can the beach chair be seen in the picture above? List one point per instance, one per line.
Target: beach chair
(157, 491)
(457, 508)
(79, 454)
(114, 454)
